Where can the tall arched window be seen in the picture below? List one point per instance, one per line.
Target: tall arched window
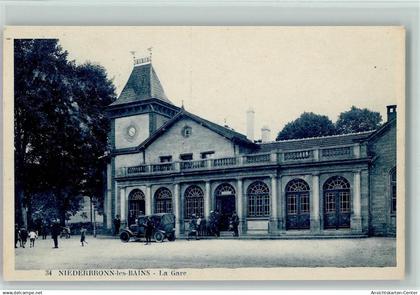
(136, 205)
(297, 205)
(258, 199)
(194, 201)
(337, 202)
(393, 190)
(163, 200)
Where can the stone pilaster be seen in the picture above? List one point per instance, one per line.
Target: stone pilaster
(148, 200)
(241, 207)
(356, 220)
(273, 206)
(177, 209)
(207, 201)
(123, 215)
(315, 199)
(281, 207)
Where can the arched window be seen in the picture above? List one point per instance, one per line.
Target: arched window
(258, 199)
(224, 189)
(163, 200)
(297, 204)
(337, 202)
(136, 205)
(194, 201)
(393, 190)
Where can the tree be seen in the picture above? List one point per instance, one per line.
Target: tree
(40, 83)
(307, 125)
(358, 120)
(60, 127)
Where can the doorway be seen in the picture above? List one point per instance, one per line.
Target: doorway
(226, 206)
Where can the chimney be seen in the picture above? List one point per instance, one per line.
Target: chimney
(391, 112)
(265, 134)
(250, 117)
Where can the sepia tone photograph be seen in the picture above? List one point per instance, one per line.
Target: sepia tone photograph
(194, 153)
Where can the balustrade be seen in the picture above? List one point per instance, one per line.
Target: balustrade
(193, 164)
(136, 169)
(261, 158)
(224, 162)
(299, 155)
(315, 154)
(162, 167)
(336, 152)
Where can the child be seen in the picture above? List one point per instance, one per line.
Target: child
(83, 236)
(32, 237)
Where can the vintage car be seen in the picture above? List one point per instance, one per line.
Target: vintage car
(164, 228)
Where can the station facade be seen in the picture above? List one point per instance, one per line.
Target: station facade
(166, 159)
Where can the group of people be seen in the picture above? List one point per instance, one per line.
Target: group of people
(199, 227)
(22, 235)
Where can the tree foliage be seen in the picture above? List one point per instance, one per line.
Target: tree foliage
(358, 120)
(60, 127)
(307, 125)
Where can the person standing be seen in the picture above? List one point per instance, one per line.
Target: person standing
(55, 232)
(235, 224)
(149, 226)
(117, 225)
(131, 218)
(32, 237)
(23, 234)
(199, 220)
(44, 231)
(193, 228)
(217, 223)
(17, 236)
(83, 236)
(212, 223)
(203, 227)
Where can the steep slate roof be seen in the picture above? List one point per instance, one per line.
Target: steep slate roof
(142, 84)
(306, 143)
(223, 131)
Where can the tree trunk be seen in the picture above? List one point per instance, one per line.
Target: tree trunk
(20, 212)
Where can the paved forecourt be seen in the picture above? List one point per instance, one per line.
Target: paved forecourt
(111, 253)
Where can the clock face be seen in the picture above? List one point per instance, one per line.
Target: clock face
(131, 131)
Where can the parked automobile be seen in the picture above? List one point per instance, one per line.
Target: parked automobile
(164, 228)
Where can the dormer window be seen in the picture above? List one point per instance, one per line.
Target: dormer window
(207, 155)
(186, 157)
(165, 159)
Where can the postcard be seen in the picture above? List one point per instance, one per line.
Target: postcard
(204, 153)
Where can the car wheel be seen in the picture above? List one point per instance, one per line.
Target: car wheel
(171, 237)
(125, 237)
(159, 237)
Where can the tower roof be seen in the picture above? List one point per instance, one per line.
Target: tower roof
(143, 84)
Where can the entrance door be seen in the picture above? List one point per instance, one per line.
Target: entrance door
(337, 209)
(226, 206)
(297, 205)
(337, 203)
(136, 205)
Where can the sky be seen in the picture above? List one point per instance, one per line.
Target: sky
(220, 72)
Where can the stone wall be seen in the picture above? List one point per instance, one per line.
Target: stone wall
(383, 149)
(173, 143)
(141, 125)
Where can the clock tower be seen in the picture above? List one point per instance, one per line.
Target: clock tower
(139, 111)
(141, 108)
